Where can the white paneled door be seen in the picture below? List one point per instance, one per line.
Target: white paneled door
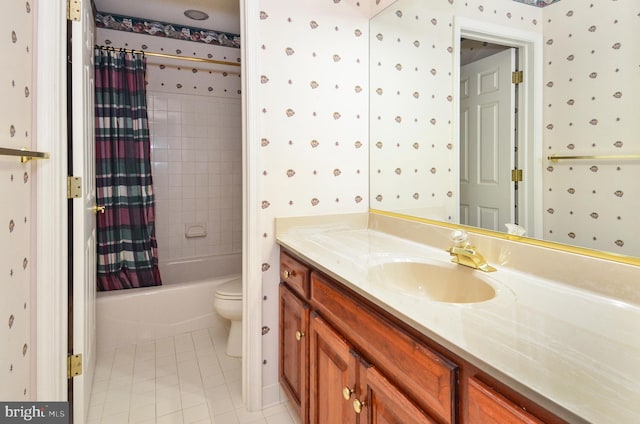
(84, 220)
(487, 150)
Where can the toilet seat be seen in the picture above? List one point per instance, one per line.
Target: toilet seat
(231, 290)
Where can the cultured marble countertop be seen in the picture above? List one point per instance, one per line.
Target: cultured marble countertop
(567, 346)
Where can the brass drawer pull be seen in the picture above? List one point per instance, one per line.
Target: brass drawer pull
(347, 392)
(286, 274)
(358, 405)
(299, 335)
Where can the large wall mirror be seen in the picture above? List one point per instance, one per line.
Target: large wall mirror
(454, 138)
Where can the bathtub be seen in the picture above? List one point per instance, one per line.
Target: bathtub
(184, 303)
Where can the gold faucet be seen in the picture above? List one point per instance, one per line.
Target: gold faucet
(465, 254)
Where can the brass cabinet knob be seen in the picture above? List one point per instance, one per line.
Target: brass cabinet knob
(98, 209)
(358, 405)
(286, 274)
(347, 392)
(299, 335)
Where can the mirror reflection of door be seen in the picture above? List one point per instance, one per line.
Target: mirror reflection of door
(488, 144)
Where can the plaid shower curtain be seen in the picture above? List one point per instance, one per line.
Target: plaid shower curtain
(127, 249)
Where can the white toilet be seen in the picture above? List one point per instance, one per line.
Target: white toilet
(228, 304)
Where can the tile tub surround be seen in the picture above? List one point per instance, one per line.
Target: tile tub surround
(570, 349)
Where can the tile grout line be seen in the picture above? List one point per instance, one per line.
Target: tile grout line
(167, 350)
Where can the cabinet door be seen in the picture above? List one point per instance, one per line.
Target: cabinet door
(333, 375)
(425, 375)
(380, 402)
(294, 366)
(488, 406)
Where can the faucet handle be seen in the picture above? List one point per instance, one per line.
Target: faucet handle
(460, 238)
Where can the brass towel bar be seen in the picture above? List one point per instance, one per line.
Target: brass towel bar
(556, 158)
(24, 154)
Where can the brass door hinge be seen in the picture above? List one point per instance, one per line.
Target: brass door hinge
(74, 365)
(516, 175)
(73, 10)
(74, 187)
(517, 77)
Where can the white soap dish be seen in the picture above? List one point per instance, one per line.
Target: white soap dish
(195, 230)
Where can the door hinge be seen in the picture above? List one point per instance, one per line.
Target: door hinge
(517, 77)
(73, 10)
(74, 365)
(516, 175)
(74, 187)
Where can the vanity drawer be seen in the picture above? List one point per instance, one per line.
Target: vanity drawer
(295, 274)
(488, 406)
(421, 373)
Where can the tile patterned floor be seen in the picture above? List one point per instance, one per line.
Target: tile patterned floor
(177, 380)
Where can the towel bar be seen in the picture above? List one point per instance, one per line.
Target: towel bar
(24, 154)
(556, 158)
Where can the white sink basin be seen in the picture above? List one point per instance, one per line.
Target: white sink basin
(438, 281)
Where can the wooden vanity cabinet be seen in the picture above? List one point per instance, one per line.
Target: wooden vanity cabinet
(294, 347)
(294, 327)
(346, 389)
(421, 373)
(487, 405)
(295, 274)
(344, 360)
(383, 402)
(333, 375)
(323, 355)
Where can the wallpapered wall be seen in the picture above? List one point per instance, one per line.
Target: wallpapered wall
(592, 107)
(16, 117)
(195, 123)
(413, 154)
(313, 125)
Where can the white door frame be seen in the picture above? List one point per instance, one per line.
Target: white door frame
(251, 242)
(52, 273)
(530, 112)
(51, 206)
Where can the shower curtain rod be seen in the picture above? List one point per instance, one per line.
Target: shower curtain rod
(170, 56)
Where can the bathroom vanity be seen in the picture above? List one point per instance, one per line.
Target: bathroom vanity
(358, 344)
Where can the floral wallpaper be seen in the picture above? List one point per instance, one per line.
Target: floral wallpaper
(166, 30)
(591, 105)
(313, 128)
(16, 120)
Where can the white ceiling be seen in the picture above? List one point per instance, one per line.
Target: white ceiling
(224, 15)
(472, 50)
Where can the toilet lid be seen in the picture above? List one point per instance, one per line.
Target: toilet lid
(230, 290)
